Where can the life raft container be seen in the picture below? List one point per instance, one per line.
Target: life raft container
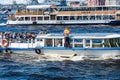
(5, 43)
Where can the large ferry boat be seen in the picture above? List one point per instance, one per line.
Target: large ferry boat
(51, 14)
(93, 45)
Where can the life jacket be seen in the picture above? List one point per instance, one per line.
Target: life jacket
(66, 32)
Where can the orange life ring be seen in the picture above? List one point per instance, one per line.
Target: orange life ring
(5, 42)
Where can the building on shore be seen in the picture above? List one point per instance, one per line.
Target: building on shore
(96, 2)
(112, 2)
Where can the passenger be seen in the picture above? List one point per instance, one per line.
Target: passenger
(20, 37)
(41, 32)
(46, 32)
(6, 35)
(66, 34)
(33, 37)
(25, 36)
(15, 36)
(11, 37)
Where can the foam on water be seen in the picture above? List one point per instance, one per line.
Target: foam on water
(58, 57)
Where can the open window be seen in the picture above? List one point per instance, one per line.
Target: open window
(78, 43)
(48, 42)
(57, 42)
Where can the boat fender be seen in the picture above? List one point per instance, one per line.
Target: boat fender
(1, 51)
(5, 42)
(8, 50)
(38, 51)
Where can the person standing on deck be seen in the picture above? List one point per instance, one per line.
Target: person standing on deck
(66, 34)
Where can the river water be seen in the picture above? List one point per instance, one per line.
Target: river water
(32, 67)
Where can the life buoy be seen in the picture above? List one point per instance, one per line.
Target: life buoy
(38, 51)
(5, 43)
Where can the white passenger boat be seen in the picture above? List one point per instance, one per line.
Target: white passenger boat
(92, 45)
(88, 44)
(51, 14)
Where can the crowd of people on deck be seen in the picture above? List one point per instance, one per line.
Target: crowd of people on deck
(28, 37)
(18, 37)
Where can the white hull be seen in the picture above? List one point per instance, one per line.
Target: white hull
(60, 22)
(88, 53)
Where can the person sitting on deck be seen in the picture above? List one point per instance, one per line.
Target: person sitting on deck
(66, 34)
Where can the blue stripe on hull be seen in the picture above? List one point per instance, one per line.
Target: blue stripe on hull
(61, 48)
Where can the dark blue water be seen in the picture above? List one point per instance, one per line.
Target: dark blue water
(25, 68)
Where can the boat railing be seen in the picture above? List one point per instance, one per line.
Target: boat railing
(85, 12)
(83, 34)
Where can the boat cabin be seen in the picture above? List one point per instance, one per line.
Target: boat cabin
(79, 40)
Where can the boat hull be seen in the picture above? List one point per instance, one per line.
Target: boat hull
(89, 52)
(10, 22)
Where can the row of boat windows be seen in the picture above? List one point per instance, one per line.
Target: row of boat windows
(90, 8)
(80, 43)
(80, 9)
(98, 17)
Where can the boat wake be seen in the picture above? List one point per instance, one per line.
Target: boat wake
(56, 57)
(25, 57)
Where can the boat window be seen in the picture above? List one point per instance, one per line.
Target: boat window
(72, 18)
(79, 17)
(106, 17)
(85, 17)
(39, 40)
(92, 17)
(21, 19)
(59, 17)
(98, 17)
(105, 8)
(84, 9)
(97, 43)
(52, 17)
(98, 8)
(46, 18)
(92, 9)
(78, 43)
(87, 43)
(57, 42)
(112, 42)
(33, 18)
(65, 17)
(112, 16)
(27, 18)
(48, 42)
(111, 8)
(40, 18)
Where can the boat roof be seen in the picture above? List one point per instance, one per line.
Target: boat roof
(82, 36)
(38, 6)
